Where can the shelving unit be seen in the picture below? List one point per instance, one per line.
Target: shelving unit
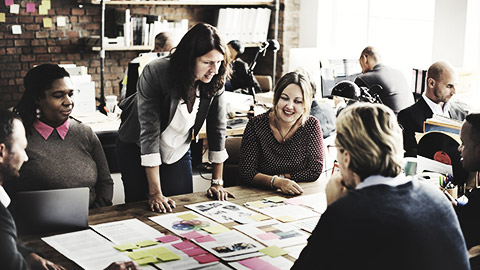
(274, 4)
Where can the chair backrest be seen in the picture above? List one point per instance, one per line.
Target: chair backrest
(230, 166)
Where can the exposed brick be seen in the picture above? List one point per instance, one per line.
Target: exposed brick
(27, 58)
(78, 11)
(26, 19)
(39, 42)
(22, 42)
(32, 27)
(43, 34)
(37, 50)
(44, 57)
(14, 50)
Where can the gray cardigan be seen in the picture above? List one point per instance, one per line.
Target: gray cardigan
(148, 113)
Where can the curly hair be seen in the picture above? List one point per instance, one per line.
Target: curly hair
(37, 81)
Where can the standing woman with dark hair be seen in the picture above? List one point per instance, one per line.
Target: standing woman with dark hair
(63, 153)
(175, 96)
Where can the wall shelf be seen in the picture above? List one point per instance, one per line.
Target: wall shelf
(188, 2)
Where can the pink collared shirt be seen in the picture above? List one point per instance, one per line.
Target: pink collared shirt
(46, 130)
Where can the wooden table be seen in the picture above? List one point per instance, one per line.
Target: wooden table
(140, 211)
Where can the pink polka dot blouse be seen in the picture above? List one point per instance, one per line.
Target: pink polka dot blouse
(301, 156)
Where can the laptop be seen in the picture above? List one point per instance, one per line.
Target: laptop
(45, 211)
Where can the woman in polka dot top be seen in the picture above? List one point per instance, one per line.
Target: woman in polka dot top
(284, 145)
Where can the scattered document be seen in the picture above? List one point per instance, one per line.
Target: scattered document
(307, 224)
(317, 202)
(223, 211)
(187, 224)
(127, 231)
(274, 233)
(86, 248)
(281, 210)
(231, 243)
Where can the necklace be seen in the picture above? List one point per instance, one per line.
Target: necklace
(280, 132)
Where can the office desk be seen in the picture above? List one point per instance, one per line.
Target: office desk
(140, 211)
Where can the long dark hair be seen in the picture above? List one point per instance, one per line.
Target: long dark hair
(198, 41)
(37, 81)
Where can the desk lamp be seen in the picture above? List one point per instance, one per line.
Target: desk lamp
(351, 91)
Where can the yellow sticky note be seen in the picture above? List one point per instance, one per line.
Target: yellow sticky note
(273, 251)
(187, 216)
(135, 255)
(285, 218)
(46, 4)
(124, 247)
(259, 217)
(275, 199)
(2, 17)
(158, 251)
(256, 204)
(42, 10)
(146, 243)
(146, 260)
(170, 256)
(216, 229)
(47, 23)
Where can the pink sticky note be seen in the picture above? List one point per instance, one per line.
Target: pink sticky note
(8, 2)
(30, 7)
(167, 238)
(194, 251)
(253, 263)
(206, 238)
(207, 258)
(294, 201)
(184, 245)
(268, 236)
(192, 235)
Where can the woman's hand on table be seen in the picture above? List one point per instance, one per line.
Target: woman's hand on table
(160, 203)
(288, 186)
(219, 192)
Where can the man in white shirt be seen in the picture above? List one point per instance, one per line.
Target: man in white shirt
(442, 80)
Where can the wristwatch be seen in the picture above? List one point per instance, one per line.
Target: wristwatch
(217, 182)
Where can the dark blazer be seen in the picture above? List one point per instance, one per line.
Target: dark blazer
(12, 253)
(148, 113)
(395, 94)
(411, 120)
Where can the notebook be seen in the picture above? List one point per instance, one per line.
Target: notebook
(45, 211)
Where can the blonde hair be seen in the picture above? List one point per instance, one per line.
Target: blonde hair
(372, 136)
(304, 84)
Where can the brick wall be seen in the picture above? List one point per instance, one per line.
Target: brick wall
(37, 45)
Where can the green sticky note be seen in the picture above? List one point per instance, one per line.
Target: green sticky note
(259, 217)
(146, 243)
(273, 251)
(42, 10)
(256, 204)
(170, 256)
(286, 218)
(47, 23)
(187, 216)
(146, 260)
(126, 246)
(47, 4)
(275, 199)
(216, 229)
(158, 251)
(135, 255)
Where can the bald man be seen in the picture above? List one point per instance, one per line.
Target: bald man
(442, 79)
(396, 93)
